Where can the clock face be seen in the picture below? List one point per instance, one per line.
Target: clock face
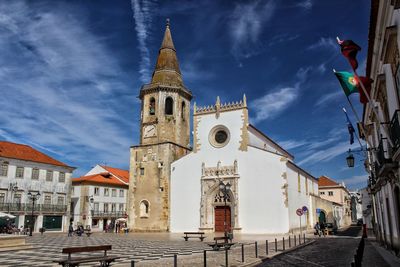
(149, 131)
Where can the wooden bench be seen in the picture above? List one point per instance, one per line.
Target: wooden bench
(217, 245)
(194, 234)
(72, 262)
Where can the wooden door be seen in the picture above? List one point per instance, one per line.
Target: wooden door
(220, 218)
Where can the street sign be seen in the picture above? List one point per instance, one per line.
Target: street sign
(305, 209)
(318, 210)
(299, 212)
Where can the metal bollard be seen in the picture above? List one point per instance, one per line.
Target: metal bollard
(256, 248)
(242, 252)
(132, 263)
(175, 260)
(289, 242)
(304, 238)
(295, 242)
(299, 239)
(276, 246)
(205, 258)
(266, 247)
(226, 257)
(283, 243)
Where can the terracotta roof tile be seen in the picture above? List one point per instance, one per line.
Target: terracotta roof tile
(325, 181)
(25, 152)
(99, 178)
(122, 174)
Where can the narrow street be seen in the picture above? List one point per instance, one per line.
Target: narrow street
(326, 251)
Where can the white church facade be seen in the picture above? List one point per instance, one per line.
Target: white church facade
(267, 187)
(175, 187)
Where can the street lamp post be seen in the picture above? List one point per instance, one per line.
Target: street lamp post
(33, 197)
(225, 189)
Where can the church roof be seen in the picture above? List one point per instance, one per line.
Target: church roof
(25, 152)
(167, 70)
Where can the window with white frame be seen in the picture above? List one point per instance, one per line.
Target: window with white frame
(113, 207)
(47, 199)
(2, 197)
(61, 177)
(49, 176)
(60, 200)
(96, 191)
(106, 192)
(330, 193)
(121, 206)
(4, 169)
(35, 174)
(121, 192)
(114, 192)
(17, 198)
(105, 207)
(322, 193)
(96, 206)
(20, 172)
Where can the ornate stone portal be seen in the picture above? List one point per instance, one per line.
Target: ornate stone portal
(211, 196)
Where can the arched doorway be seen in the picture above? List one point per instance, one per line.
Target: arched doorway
(220, 213)
(322, 217)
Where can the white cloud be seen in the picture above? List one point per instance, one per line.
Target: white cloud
(327, 98)
(326, 154)
(247, 23)
(58, 81)
(324, 43)
(290, 144)
(143, 16)
(273, 103)
(306, 4)
(358, 180)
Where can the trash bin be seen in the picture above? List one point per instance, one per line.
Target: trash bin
(42, 230)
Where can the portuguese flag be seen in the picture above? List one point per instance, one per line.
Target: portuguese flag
(347, 81)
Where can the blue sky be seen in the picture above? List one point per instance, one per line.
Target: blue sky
(71, 71)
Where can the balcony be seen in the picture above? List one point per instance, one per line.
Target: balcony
(384, 156)
(395, 132)
(109, 214)
(27, 207)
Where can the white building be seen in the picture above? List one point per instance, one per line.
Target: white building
(356, 207)
(25, 169)
(382, 131)
(99, 197)
(366, 206)
(267, 187)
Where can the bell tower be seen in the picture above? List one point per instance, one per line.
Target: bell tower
(165, 100)
(164, 138)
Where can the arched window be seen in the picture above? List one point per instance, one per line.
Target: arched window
(152, 106)
(144, 208)
(169, 106)
(183, 110)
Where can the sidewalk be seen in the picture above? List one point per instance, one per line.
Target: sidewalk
(217, 258)
(376, 255)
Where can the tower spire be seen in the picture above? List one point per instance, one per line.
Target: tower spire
(167, 67)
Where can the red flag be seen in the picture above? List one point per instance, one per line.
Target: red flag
(367, 82)
(349, 50)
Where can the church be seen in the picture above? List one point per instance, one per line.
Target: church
(234, 177)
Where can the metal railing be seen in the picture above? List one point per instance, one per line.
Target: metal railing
(97, 213)
(384, 151)
(27, 207)
(395, 130)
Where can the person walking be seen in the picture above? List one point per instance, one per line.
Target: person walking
(70, 229)
(323, 228)
(317, 229)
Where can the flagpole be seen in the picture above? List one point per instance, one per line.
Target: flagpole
(373, 107)
(369, 99)
(358, 138)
